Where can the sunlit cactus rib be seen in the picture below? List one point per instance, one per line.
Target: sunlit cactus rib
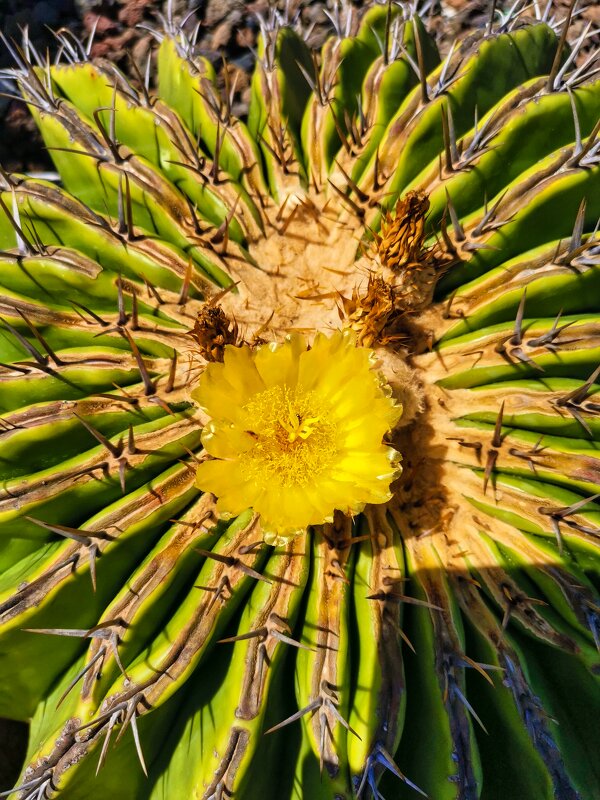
(441, 212)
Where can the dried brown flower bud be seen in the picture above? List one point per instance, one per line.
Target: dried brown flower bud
(212, 331)
(400, 243)
(371, 314)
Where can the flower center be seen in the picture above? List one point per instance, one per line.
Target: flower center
(294, 438)
(297, 426)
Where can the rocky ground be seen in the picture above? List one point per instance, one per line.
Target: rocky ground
(227, 28)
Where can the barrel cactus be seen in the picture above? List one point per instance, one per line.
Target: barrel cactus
(300, 419)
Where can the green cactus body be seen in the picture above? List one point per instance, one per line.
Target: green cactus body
(441, 641)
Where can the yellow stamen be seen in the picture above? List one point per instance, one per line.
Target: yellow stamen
(296, 426)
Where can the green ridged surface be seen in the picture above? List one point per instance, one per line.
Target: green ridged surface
(451, 650)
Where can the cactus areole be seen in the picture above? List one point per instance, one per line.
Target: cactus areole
(300, 418)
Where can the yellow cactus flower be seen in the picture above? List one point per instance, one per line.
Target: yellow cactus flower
(296, 432)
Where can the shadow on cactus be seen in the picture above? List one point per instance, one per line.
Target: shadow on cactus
(300, 420)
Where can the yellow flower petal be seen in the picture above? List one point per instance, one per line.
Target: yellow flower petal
(226, 441)
(225, 479)
(277, 364)
(240, 368)
(213, 394)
